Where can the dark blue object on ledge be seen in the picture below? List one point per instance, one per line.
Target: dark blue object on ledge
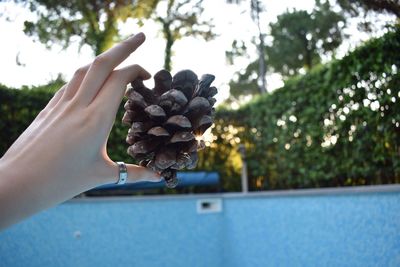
(184, 179)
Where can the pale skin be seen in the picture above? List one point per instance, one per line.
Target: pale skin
(63, 152)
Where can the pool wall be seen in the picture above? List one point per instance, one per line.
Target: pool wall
(357, 226)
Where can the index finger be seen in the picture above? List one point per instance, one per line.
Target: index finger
(103, 65)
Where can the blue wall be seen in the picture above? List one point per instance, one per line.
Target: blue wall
(352, 229)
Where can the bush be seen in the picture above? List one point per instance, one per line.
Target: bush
(18, 108)
(336, 126)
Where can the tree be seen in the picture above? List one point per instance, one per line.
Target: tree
(179, 19)
(363, 8)
(380, 6)
(300, 38)
(93, 22)
(245, 82)
(256, 8)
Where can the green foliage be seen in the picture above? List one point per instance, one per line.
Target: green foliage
(18, 108)
(246, 82)
(338, 125)
(370, 12)
(93, 22)
(239, 49)
(354, 7)
(180, 19)
(300, 39)
(51, 87)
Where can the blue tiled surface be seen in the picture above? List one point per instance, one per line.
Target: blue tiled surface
(351, 230)
(328, 230)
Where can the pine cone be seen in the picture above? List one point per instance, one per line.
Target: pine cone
(168, 121)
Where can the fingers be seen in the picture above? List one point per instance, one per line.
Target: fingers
(54, 100)
(74, 84)
(103, 65)
(113, 91)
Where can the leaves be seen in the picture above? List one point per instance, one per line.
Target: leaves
(299, 39)
(181, 19)
(94, 23)
(338, 125)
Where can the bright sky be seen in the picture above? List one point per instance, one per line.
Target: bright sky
(231, 22)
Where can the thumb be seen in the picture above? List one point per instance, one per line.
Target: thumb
(141, 174)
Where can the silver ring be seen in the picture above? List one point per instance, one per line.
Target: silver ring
(123, 173)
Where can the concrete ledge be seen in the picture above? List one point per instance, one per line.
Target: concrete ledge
(260, 194)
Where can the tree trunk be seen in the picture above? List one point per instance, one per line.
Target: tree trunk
(262, 83)
(106, 37)
(384, 5)
(308, 54)
(308, 60)
(262, 68)
(103, 43)
(168, 46)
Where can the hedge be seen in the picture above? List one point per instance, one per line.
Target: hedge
(336, 126)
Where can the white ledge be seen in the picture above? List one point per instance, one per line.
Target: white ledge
(258, 194)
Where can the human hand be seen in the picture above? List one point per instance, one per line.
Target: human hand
(63, 152)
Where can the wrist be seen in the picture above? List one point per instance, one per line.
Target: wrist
(109, 173)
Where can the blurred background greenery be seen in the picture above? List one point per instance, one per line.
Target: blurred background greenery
(334, 122)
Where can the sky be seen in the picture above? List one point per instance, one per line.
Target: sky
(41, 65)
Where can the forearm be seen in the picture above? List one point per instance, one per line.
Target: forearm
(25, 191)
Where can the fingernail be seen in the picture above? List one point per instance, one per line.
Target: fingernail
(140, 36)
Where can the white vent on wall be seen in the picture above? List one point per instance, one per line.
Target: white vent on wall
(211, 205)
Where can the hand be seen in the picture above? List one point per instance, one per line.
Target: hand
(63, 152)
